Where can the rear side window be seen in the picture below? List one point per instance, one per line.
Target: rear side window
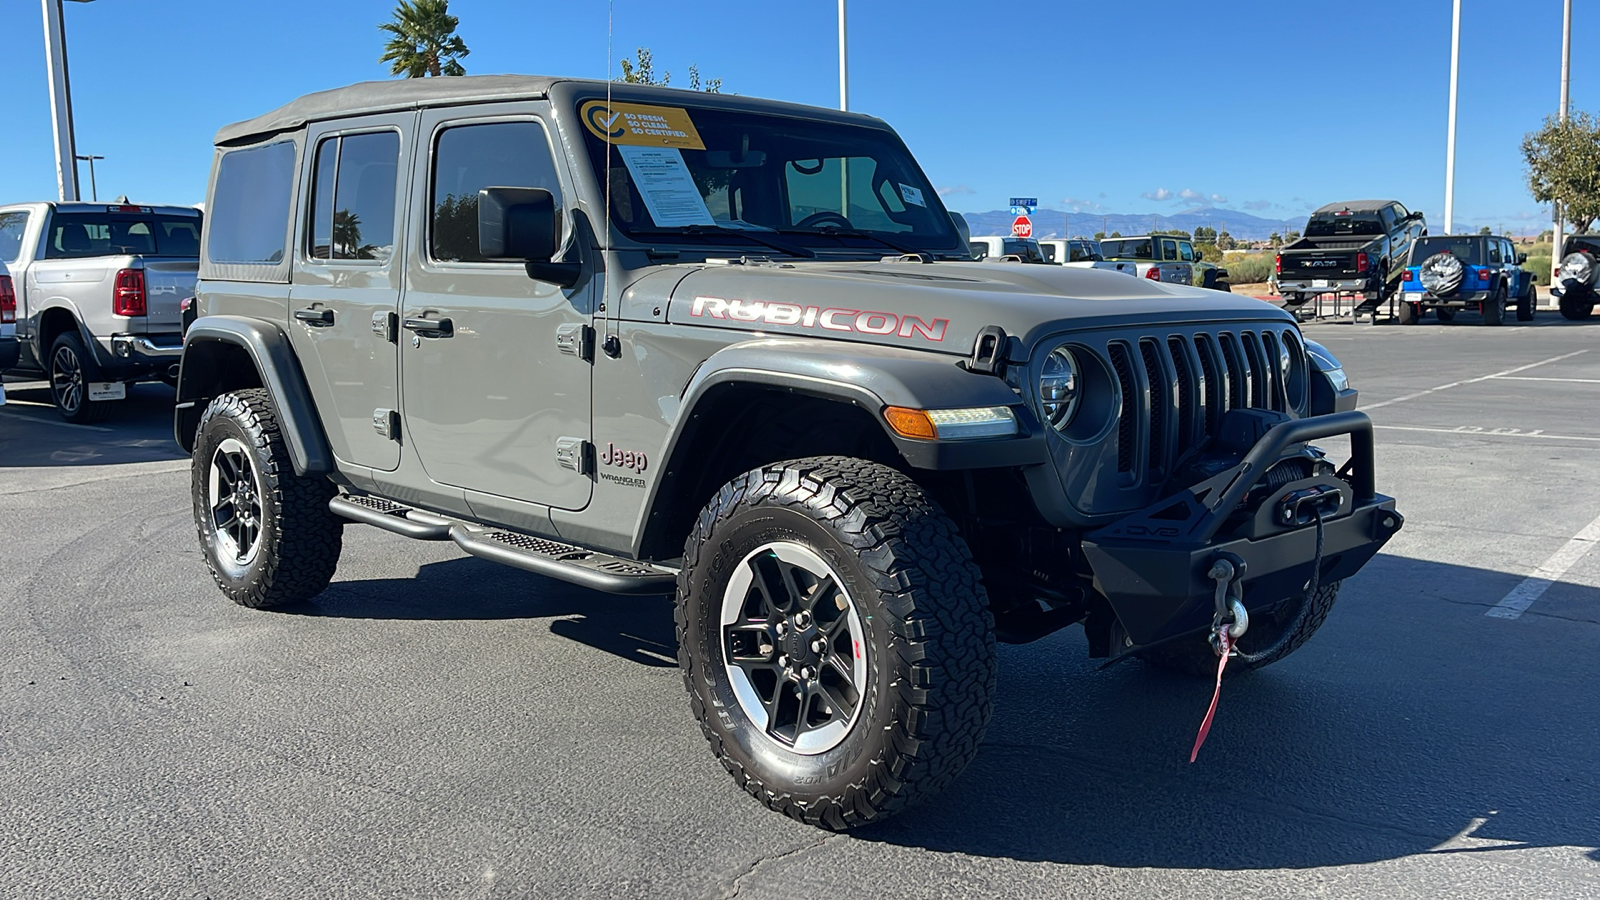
(250, 205)
(12, 224)
(1169, 250)
(352, 215)
(1127, 249)
(81, 235)
(1494, 252)
(469, 158)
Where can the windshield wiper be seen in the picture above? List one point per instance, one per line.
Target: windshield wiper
(718, 230)
(853, 232)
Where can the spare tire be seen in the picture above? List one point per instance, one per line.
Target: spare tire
(1441, 274)
(1580, 267)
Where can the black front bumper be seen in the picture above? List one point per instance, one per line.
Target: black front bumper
(1152, 565)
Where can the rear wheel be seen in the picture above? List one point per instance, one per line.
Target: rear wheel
(1409, 313)
(266, 533)
(1445, 314)
(72, 370)
(1274, 633)
(1494, 308)
(835, 641)
(1577, 308)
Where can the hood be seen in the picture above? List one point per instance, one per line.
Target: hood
(940, 306)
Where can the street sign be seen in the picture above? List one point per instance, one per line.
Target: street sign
(1022, 227)
(1029, 202)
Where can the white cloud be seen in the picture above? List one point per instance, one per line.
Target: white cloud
(1159, 195)
(1218, 198)
(955, 189)
(1187, 194)
(1078, 204)
(1258, 204)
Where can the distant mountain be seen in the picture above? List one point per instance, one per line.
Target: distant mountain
(1052, 223)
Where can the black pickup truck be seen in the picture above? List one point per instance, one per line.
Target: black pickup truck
(1359, 247)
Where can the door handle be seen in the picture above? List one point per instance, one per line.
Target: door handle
(430, 328)
(316, 318)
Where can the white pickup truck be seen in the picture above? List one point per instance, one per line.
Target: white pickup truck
(1077, 253)
(98, 290)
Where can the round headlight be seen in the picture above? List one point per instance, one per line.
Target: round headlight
(1059, 388)
(1284, 360)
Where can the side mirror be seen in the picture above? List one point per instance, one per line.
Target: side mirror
(1198, 256)
(518, 223)
(1522, 258)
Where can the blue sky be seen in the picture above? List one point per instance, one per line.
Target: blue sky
(1267, 107)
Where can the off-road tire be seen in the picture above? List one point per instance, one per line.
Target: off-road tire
(1408, 313)
(1445, 314)
(930, 657)
(1193, 655)
(300, 540)
(1494, 308)
(1527, 303)
(72, 399)
(1576, 310)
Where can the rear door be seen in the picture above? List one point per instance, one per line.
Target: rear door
(345, 292)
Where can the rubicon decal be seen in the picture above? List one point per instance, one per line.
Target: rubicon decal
(831, 318)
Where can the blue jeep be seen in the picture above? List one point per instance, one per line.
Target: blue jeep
(1450, 273)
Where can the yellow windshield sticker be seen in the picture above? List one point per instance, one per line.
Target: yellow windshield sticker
(639, 125)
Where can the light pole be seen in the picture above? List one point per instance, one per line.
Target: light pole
(1450, 141)
(844, 64)
(1561, 115)
(94, 191)
(55, 60)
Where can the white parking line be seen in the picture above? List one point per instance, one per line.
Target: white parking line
(1479, 431)
(50, 421)
(1537, 378)
(1549, 572)
(1443, 387)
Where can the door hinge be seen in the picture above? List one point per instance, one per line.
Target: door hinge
(576, 454)
(576, 340)
(386, 325)
(387, 423)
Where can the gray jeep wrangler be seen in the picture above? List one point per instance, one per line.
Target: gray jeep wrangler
(648, 340)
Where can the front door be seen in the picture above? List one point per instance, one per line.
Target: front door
(491, 403)
(345, 292)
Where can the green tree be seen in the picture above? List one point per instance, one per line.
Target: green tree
(641, 70)
(1205, 235)
(1275, 240)
(1098, 235)
(1116, 234)
(1225, 241)
(425, 42)
(1563, 160)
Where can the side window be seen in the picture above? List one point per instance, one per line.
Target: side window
(469, 158)
(352, 213)
(1185, 251)
(12, 224)
(249, 213)
(1494, 253)
(1387, 214)
(1169, 250)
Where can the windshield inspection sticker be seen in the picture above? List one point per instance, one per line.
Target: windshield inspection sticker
(668, 190)
(638, 125)
(911, 195)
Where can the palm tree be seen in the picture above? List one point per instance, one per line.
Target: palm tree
(425, 40)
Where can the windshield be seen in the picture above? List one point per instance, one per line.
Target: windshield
(1127, 249)
(80, 235)
(687, 175)
(1467, 249)
(1334, 224)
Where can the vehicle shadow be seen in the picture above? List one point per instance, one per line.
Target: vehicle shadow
(139, 429)
(1468, 736)
(638, 629)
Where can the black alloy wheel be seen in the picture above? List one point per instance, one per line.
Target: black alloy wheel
(1527, 303)
(72, 369)
(1494, 308)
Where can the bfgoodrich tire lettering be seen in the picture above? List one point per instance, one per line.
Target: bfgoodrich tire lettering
(925, 627)
(266, 533)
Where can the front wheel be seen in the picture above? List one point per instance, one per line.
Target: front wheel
(266, 533)
(1274, 633)
(835, 641)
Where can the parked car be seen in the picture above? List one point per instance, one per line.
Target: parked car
(98, 287)
(996, 247)
(1164, 257)
(1449, 273)
(1576, 276)
(858, 456)
(1355, 247)
(8, 323)
(1083, 253)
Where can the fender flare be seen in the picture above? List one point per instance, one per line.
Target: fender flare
(41, 353)
(201, 378)
(865, 376)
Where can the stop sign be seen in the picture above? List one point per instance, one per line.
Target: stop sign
(1022, 227)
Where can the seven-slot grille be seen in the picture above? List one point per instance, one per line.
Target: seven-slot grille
(1175, 390)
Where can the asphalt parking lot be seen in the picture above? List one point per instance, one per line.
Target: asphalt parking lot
(438, 726)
